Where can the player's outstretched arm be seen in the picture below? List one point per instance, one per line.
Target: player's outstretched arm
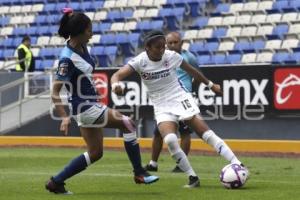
(199, 77)
(59, 107)
(118, 76)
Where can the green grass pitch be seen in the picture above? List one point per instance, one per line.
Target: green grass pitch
(23, 172)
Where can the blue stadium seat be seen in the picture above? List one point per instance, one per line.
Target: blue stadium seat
(104, 26)
(60, 6)
(43, 30)
(97, 50)
(144, 25)
(47, 64)
(200, 23)
(219, 32)
(53, 29)
(8, 53)
(113, 15)
(234, 58)
(204, 59)
(17, 41)
(295, 4)
(49, 7)
(195, 7)
(157, 24)
(98, 4)
(242, 46)
(127, 13)
(281, 57)
(173, 17)
(258, 45)
(211, 45)
(197, 47)
(75, 6)
(281, 5)
(219, 59)
(38, 65)
(222, 8)
(41, 19)
(19, 31)
(4, 21)
(281, 30)
(47, 53)
(107, 39)
(87, 6)
(7, 43)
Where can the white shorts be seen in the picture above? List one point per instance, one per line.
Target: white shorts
(182, 108)
(89, 116)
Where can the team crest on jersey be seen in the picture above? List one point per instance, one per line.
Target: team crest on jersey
(166, 64)
(63, 69)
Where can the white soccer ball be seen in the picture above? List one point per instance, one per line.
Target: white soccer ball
(234, 176)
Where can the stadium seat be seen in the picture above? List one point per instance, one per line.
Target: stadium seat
(190, 34)
(273, 44)
(249, 58)
(265, 5)
(205, 33)
(274, 18)
(229, 20)
(280, 57)
(197, 47)
(226, 46)
(243, 19)
(264, 30)
(281, 30)
(234, 31)
(289, 17)
(289, 43)
(107, 39)
(200, 22)
(215, 21)
(258, 19)
(236, 7)
(249, 31)
(100, 15)
(222, 8)
(6, 31)
(258, 44)
(234, 58)
(219, 32)
(281, 5)
(242, 46)
(219, 59)
(204, 59)
(264, 57)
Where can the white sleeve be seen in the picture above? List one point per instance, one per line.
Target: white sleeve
(135, 63)
(176, 59)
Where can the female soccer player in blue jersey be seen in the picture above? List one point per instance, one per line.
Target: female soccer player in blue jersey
(157, 69)
(75, 72)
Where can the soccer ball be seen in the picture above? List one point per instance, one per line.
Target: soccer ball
(233, 176)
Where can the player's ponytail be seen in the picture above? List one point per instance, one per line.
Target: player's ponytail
(63, 30)
(73, 24)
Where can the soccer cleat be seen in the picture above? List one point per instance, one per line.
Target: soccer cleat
(145, 178)
(177, 170)
(57, 188)
(150, 168)
(193, 182)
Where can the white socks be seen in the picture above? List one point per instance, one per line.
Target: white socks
(153, 163)
(220, 146)
(178, 155)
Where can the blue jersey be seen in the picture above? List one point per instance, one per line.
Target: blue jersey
(183, 76)
(76, 69)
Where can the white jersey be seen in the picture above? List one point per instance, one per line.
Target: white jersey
(160, 78)
(171, 101)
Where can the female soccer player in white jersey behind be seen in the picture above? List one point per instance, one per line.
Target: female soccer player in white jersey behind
(157, 69)
(75, 72)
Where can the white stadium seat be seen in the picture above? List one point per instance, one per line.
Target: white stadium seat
(43, 40)
(250, 6)
(90, 15)
(35, 51)
(100, 15)
(152, 12)
(15, 9)
(134, 3)
(226, 46)
(215, 21)
(147, 3)
(205, 33)
(117, 26)
(265, 30)
(186, 45)
(249, 31)
(234, 31)
(16, 20)
(121, 3)
(190, 34)
(257, 19)
(130, 25)
(264, 57)
(274, 18)
(109, 4)
(273, 44)
(235, 7)
(139, 13)
(56, 40)
(26, 9)
(243, 19)
(294, 28)
(289, 17)
(4, 9)
(37, 7)
(289, 43)
(28, 19)
(265, 5)
(229, 20)
(6, 31)
(95, 39)
(159, 2)
(249, 58)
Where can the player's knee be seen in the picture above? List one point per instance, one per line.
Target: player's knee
(95, 155)
(172, 141)
(129, 124)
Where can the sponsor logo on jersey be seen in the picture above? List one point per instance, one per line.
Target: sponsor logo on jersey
(62, 69)
(287, 89)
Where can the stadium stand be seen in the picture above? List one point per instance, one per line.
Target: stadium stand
(232, 32)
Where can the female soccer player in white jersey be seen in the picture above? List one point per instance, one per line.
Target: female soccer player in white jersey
(75, 72)
(157, 69)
